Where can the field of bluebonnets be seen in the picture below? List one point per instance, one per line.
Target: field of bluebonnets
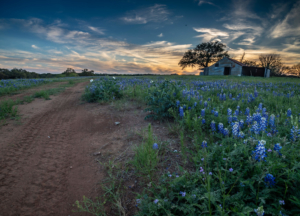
(240, 136)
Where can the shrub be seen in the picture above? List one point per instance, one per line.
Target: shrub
(161, 99)
(103, 89)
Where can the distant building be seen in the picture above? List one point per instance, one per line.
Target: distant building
(229, 66)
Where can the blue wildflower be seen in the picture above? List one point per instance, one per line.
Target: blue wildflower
(203, 112)
(235, 129)
(195, 104)
(216, 113)
(270, 180)
(156, 201)
(277, 148)
(260, 151)
(220, 127)
(263, 124)
(241, 135)
(259, 211)
(281, 202)
(203, 121)
(213, 126)
(181, 114)
(182, 193)
(229, 112)
(155, 146)
(225, 132)
(177, 103)
(204, 144)
(289, 112)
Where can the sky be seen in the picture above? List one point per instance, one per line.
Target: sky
(134, 36)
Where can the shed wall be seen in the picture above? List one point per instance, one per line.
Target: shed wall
(236, 70)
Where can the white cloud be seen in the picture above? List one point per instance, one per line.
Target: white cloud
(156, 13)
(211, 33)
(290, 26)
(99, 31)
(160, 35)
(34, 46)
(201, 2)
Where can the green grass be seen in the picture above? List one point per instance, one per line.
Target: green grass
(8, 109)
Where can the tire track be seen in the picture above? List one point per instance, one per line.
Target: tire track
(33, 172)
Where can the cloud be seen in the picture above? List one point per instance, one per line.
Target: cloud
(211, 33)
(34, 46)
(79, 49)
(160, 35)
(99, 31)
(201, 2)
(290, 26)
(157, 13)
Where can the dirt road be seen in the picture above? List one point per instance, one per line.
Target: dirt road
(46, 163)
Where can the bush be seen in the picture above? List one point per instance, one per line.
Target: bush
(161, 99)
(103, 89)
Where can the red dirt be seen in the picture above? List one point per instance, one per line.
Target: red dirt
(45, 176)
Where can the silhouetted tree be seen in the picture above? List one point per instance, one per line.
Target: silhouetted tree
(250, 63)
(203, 55)
(296, 69)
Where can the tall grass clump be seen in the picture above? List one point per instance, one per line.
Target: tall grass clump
(7, 109)
(146, 155)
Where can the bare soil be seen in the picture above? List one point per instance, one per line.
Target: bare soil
(47, 160)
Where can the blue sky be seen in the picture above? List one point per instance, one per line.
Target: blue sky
(141, 36)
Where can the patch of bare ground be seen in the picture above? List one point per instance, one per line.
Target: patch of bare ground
(47, 157)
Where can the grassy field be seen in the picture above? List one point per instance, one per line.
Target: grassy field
(238, 152)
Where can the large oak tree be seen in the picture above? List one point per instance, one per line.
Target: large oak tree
(203, 55)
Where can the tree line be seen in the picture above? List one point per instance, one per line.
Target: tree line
(70, 72)
(206, 54)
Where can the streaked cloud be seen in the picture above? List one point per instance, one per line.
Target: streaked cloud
(211, 33)
(98, 30)
(34, 46)
(290, 25)
(157, 13)
(160, 35)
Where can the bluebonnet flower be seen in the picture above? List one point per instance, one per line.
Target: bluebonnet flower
(204, 144)
(155, 146)
(272, 120)
(249, 120)
(260, 106)
(203, 112)
(294, 133)
(229, 111)
(236, 112)
(257, 117)
(269, 134)
(184, 106)
(241, 123)
(224, 158)
(177, 103)
(189, 108)
(203, 121)
(210, 173)
(230, 95)
(213, 126)
(260, 152)
(234, 118)
(138, 201)
(194, 196)
(235, 129)
(220, 127)
(205, 103)
(255, 128)
(247, 112)
(230, 170)
(270, 180)
(170, 175)
(241, 135)
(156, 201)
(289, 112)
(224, 96)
(269, 150)
(263, 124)
(281, 202)
(181, 114)
(242, 185)
(259, 211)
(195, 104)
(216, 113)
(225, 132)
(277, 148)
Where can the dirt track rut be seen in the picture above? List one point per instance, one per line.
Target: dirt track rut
(36, 173)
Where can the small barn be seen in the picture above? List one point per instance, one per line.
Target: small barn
(229, 66)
